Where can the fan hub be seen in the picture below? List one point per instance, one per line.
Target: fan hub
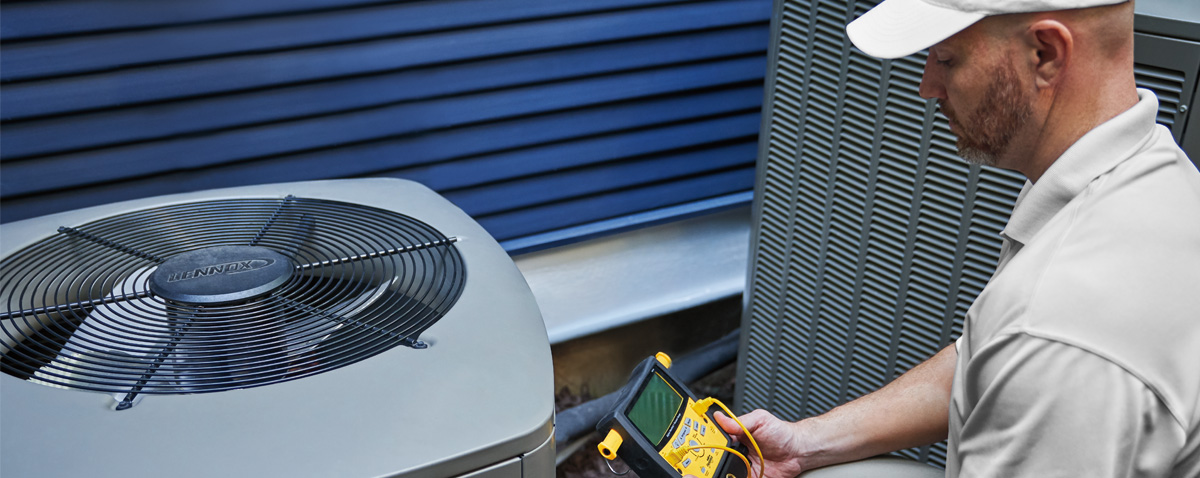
(221, 275)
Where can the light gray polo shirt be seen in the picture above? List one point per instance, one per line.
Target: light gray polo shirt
(1081, 357)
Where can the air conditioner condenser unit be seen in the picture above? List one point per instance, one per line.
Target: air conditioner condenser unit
(349, 328)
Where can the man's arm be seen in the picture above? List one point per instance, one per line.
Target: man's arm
(912, 410)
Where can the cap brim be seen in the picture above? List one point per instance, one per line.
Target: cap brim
(897, 28)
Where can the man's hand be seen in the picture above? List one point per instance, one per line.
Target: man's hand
(910, 411)
(782, 443)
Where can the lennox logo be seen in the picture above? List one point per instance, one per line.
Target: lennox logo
(219, 269)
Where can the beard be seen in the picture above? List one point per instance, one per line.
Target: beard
(986, 134)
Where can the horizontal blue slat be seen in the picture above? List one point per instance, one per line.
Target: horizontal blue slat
(105, 165)
(590, 209)
(26, 60)
(430, 159)
(47, 18)
(207, 77)
(576, 183)
(54, 135)
(557, 237)
(474, 171)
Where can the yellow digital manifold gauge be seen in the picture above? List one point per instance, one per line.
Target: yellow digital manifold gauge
(660, 430)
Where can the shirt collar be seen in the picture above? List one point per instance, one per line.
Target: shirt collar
(1095, 153)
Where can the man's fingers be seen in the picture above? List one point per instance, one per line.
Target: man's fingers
(728, 424)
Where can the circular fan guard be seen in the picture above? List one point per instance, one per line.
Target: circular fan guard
(82, 311)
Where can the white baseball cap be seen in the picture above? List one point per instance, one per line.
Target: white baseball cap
(897, 28)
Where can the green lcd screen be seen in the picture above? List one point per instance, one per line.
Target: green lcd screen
(654, 408)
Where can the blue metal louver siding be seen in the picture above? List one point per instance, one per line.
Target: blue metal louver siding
(534, 116)
(872, 238)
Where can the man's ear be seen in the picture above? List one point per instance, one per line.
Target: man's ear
(1052, 45)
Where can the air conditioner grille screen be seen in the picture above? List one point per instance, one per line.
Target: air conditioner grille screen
(217, 295)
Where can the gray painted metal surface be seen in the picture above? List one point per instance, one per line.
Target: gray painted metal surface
(871, 237)
(608, 282)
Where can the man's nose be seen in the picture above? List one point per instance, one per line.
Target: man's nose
(931, 80)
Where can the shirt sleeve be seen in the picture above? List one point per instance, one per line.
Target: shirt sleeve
(1044, 408)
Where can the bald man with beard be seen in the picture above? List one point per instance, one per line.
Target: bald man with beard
(1081, 357)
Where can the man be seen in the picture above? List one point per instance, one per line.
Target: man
(1081, 357)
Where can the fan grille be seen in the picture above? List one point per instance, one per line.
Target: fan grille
(82, 310)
